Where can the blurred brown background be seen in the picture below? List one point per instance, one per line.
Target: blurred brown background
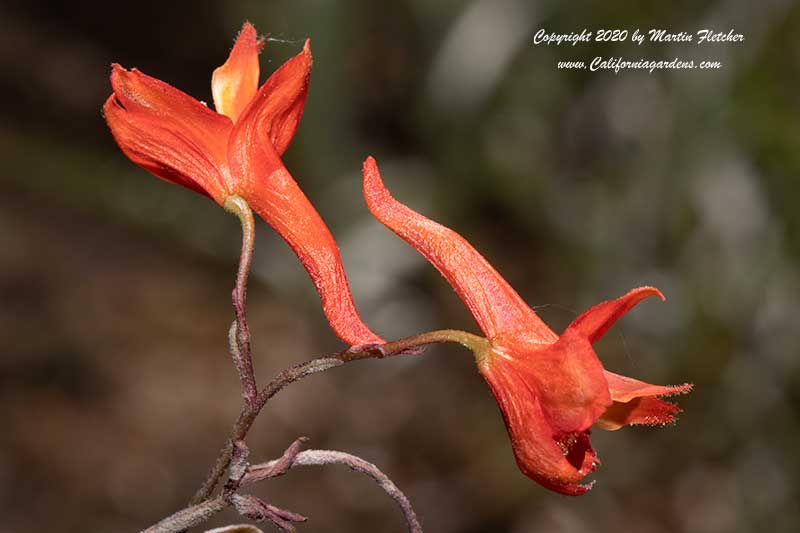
(116, 390)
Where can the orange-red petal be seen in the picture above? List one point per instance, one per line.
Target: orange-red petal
(567, 375)
(234, 84)
(266, 127)
(633, 401)
(559, 461)
(495, 305)
(259, 137)
(594, 322)
(281, 203)
(169, 133)
(290, 84)
(636, 402)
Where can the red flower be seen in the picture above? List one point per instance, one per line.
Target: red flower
(236, 152)
(550, 389)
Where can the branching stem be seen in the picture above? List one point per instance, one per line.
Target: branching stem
(254, 508)
(250, 411)
(255, 400)
(189, 517)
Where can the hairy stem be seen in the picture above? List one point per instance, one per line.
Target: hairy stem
(329, 457)
(240, 333)
(250, 412)
(408, 345)
(189, 517)
(254, 508)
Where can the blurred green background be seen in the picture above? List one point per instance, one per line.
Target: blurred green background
(115, 386)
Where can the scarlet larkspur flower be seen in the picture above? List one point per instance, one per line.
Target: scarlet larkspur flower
(550, 389)
(236, 152)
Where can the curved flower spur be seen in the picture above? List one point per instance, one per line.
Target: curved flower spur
(233, 156)
(550, 389)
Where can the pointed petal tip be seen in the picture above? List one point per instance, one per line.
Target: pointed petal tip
(647, 291)
(637, 402)
(372, 180)
(113, 75)
(625, 389)
(595, 321)
(117, 70)
(369, 165)
(640, 293)
(125, 81)
(305, 53)
(249, 33)
(376, 195)
(684, 388)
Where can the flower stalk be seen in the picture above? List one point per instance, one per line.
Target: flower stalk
(239, 334)
(250, 410)
(240, 348)
(415, 344)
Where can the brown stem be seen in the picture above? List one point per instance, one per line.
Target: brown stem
(252, 507)
(250, 411)
(407, 345)
(189, 517)
(329, 457)
(240, 333)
